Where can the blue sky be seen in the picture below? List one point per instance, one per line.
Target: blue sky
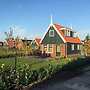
(32, 17)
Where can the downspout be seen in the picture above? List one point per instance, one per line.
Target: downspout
(66, 50)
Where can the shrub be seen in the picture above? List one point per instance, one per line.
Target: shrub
(42, 73)
(25, 75)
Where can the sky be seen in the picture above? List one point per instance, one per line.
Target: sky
(30, 18)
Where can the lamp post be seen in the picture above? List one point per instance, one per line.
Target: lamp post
(15, 59)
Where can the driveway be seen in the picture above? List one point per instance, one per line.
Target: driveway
(67, 81)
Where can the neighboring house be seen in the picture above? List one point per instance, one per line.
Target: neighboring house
(36, 44)
(11, 42)
(60, 41)
(27, 46)
(1, 43)
(19, 44)
(22, 43)
(26, 42)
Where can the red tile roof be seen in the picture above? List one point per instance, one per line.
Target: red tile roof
(58, 26)
(38, 40)
(67, 38)
(72, 39)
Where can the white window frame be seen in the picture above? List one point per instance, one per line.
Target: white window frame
(78, 47)
(69, 33)
(51, 35)
(49, 47)
(72, 46)
(45, 46)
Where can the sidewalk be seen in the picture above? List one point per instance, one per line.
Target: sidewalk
(67, 81)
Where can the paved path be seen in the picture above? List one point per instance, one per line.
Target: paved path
(67, 81)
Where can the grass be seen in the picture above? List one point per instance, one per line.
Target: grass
(35, 63)
(31, 70)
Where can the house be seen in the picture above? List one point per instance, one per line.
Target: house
(19, 44)
(10, 42)
(27, 42)
(1, 43)
(60, 41)
(36, 44)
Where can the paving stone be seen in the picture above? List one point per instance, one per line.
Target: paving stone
(77, 86)
(81, 82)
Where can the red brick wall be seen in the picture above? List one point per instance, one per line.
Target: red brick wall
(63, 51)
(53, 54)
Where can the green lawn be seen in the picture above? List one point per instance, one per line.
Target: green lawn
(35, 63)
(30, 70)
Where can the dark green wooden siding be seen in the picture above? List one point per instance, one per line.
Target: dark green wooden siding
(52, 40)
(70, 51)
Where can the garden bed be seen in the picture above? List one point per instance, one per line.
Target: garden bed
(31, 71)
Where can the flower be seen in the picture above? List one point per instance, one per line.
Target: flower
(2, 65)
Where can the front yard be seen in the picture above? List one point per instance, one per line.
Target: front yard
(31, 70)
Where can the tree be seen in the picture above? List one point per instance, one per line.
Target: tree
(9, 38)
(87, 37)
(10, 33)
(86, 45)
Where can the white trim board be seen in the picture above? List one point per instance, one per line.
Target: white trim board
(56, 31)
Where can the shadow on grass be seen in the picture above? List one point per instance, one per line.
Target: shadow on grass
(68, 71)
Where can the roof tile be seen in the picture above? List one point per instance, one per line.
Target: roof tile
(67, 38)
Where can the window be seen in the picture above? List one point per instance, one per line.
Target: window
(58, 51)
(72, 34)
(68, 33)
(78, 47)
(45, 47)
(58, 48)
(49, 47)
(51, 33)
(72, 46)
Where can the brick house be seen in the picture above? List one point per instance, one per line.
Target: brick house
(60, 41)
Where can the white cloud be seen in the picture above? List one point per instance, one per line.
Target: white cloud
(19, 31)
(2, 36)
(22, 32)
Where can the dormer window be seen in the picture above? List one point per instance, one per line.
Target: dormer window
(68, 32)
(51, 33)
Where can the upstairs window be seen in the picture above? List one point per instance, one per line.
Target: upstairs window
(69, 33)
(72, 34)
(51, 33)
